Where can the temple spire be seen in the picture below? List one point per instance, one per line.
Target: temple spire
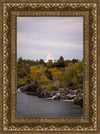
(49, 57)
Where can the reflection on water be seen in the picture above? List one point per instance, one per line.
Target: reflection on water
(33, 106)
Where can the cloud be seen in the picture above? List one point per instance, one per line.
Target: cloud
(59, 23)
(36, 34)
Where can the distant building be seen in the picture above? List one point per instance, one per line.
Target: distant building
(49, 57)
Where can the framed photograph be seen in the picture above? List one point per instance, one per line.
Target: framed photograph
(49, 67)
(46, 72)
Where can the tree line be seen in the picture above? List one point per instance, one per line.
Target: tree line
(60, 73)
(59, 63)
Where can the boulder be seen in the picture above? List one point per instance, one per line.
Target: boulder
(78, 100)
(71, 97)
(41, 93)
(26, 88)
(77, 91)
(51, 93)
(29, 88)
(57, 98)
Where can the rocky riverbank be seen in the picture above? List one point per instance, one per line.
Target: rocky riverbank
(60, 94)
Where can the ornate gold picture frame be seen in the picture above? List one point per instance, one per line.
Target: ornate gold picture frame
(10, 10)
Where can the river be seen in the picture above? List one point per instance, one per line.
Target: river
(33, 106)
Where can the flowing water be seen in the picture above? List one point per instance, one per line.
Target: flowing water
(33, 106)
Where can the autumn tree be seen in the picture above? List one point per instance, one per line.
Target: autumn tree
(48, 74)
(41, 61)
(49, 64)
(37, 71)
(60, 62)
(74, 61)
(67, 62)
(73, 76)
(20, 59)
(55, 72)
(21, 72)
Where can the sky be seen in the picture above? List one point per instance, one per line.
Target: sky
(36, 34)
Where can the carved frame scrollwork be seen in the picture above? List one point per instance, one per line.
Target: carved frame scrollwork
(89, 120)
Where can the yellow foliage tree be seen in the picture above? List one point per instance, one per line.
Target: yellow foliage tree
(55, 72)
(43, 80)
(37, 71)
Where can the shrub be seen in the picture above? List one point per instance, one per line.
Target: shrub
(51, 88)
(21, 82)
(72, 76)
(49, 74)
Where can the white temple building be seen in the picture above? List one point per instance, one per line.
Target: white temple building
(49, 57)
